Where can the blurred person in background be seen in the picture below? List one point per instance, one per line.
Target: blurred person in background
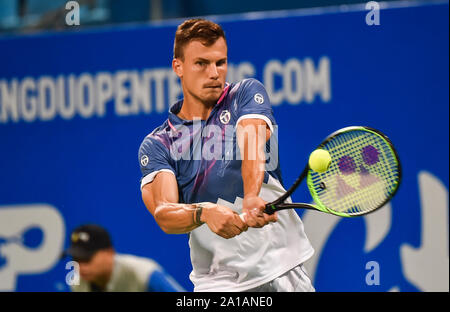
(102, 269)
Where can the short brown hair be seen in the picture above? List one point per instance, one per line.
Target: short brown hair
(205, 31)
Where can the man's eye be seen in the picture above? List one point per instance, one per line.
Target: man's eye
(200, 63)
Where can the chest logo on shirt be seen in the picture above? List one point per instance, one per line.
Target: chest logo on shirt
(144, 160)
(258, 98)
(225, 117)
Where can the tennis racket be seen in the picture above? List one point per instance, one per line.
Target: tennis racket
(364, 174)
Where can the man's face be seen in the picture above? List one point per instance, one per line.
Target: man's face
(97, 267)
(204, 70)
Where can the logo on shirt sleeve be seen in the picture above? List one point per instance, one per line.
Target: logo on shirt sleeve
(144, 160)
(258, 98)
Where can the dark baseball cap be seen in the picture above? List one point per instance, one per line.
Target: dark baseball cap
(86, 240)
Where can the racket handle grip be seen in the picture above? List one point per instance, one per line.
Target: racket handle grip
(242, 215)
(270, 210)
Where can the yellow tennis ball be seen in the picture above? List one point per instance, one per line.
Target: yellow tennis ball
(319, 160)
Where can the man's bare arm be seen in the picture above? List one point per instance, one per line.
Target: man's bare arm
(252, 135)
(161, 199)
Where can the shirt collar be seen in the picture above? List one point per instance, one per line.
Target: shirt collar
(173, 111)
(175, 108)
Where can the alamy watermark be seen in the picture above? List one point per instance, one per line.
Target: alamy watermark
(222, 143)
(373, 276)
(373, 17)
(73, 16)
(73, 276)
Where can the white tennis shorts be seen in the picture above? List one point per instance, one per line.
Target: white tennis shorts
(294, 280)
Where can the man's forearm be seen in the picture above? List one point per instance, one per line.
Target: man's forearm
(252, 176)
(252, 145)
(178, 218)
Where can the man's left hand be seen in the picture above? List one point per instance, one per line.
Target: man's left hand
(253, 207)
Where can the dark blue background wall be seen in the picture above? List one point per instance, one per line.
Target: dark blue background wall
(392, 76)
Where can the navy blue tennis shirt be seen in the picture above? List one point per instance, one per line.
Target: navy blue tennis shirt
(203, 154)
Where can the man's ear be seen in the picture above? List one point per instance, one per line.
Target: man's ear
(177, 66)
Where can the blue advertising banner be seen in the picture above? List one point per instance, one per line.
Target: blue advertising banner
(75, 106)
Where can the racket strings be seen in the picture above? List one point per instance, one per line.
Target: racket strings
(364, 172)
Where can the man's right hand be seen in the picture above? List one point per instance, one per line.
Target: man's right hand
(222, 220)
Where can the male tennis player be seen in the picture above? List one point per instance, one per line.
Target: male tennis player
(195, 171)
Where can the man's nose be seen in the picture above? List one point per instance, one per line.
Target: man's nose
(213, 72)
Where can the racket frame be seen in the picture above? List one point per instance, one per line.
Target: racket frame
(279, 203)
